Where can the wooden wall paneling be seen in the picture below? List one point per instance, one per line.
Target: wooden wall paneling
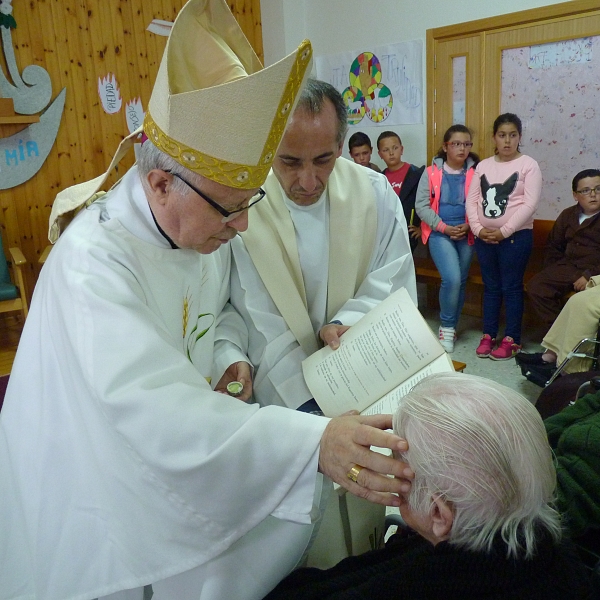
(28, 50)
(75, 124)
(136, 40)
(8, 205)
(32, 213)
(247, 13)
(257, 25)
(77, 41)
(59, 170)
(105, 42)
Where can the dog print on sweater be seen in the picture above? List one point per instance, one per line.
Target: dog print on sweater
(495, 196)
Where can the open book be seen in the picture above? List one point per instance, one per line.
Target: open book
(379, 360)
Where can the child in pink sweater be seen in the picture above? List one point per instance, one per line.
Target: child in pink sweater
(502, 199)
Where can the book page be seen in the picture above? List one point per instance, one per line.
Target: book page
(387, 346)
(389, 403)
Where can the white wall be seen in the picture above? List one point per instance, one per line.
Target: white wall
(337, 25)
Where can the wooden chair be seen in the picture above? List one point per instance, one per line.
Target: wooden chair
(13, 295)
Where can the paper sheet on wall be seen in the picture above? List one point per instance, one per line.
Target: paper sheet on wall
(554, 89)
(381, 86)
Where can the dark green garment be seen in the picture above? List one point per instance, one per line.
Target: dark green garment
(574, 434)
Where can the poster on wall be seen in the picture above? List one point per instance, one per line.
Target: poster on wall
(554, 89)
(381, 86)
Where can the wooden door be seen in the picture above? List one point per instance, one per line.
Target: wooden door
(457, 69)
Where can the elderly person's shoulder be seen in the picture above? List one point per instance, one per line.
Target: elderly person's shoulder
(480, 506)
(410, 568)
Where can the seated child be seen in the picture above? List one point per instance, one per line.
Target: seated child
(576, 321)
(404, 178)
(572, 250)
(359, 146)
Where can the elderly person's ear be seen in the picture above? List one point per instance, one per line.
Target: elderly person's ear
(158, 182)
(442, 517)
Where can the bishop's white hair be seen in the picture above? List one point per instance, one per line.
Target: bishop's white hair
(483, 447)
(151, 157)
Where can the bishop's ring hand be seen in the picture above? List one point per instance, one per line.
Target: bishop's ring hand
(352, 474)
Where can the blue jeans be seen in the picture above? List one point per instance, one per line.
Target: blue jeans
(502, 268)
(452, 259)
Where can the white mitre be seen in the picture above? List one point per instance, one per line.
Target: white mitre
(213, 108)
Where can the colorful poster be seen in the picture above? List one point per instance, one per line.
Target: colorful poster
(381, 86)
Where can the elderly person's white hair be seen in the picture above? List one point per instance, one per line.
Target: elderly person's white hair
(483, 448)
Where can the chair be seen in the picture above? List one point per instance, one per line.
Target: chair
(13, 295)
(586, 348)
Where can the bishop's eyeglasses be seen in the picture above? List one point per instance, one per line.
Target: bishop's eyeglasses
(228, 215)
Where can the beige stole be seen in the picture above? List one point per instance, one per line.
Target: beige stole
(271, 243)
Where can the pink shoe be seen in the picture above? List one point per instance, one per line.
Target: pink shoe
(485, 346)
(507, 349)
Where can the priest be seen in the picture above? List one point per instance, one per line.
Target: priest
(328, 243)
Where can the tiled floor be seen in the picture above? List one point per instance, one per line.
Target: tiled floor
(506, 371)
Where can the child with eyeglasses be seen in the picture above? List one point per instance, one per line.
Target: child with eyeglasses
(440, 204)
(572, 251)
(500, 205)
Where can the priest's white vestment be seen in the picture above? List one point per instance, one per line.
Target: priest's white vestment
(119, 466)
(359, 254)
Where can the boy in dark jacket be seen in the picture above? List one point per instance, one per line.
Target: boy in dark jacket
(572, 250)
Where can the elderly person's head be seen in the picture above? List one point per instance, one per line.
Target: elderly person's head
(483, 467)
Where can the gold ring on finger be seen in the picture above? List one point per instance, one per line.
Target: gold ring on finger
(352, 474)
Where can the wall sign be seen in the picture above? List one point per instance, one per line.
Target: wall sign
(110, 95)
(23, 154)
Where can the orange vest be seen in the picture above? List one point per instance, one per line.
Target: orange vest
(435, 188)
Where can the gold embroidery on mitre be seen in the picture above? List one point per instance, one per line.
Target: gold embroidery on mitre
(233, 174)
(288, 97)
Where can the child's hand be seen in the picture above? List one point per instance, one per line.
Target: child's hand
(414, 232)
(458, 232)
(490, 236)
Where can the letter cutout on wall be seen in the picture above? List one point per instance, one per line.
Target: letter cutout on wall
(110, 95)
(23, 154)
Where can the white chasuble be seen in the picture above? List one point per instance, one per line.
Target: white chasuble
(119, 466)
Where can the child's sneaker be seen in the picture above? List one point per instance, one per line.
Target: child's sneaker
(507, 349)
(447, 335)
(486, 344)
